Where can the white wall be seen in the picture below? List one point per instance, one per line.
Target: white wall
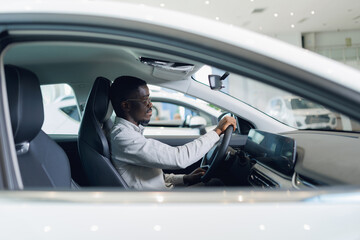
(342, 46)
(292, 38)
(331, 39)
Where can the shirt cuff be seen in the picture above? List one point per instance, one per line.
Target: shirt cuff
(175, 179)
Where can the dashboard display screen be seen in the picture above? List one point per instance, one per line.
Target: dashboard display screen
(274, 151)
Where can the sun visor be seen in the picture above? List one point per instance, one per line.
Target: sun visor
(168, 70)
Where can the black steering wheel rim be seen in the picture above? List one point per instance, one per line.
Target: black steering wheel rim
(218, 153)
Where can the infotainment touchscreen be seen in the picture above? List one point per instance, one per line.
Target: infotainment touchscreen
(274, 151)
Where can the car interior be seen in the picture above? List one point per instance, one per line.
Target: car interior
(288, 159)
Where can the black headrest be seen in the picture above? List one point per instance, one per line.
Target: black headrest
(97, 112)
(98, 101)
(25, 103)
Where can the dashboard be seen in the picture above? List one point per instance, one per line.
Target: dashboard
(302, 159)
(326, 157)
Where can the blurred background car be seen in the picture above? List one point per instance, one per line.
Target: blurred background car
(61, 116)
(301, 113)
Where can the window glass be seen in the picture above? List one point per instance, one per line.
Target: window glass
(175, 113)
(288, 108)
(61, 112)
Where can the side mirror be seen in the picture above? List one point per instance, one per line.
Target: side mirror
(197, 122)
(215, 81)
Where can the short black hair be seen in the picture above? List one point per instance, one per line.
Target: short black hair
(121, 89)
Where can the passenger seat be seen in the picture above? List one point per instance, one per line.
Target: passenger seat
(43, 163)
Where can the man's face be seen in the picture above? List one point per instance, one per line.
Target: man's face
(140, 105)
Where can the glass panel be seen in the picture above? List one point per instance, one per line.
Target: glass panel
(166, 113)
(337, 54)
(351, 53)
(175, 113)
(61, 112)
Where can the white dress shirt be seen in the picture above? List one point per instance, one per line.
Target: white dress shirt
(140, 160)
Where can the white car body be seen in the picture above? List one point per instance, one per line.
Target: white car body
(143, 215)
(215, 214)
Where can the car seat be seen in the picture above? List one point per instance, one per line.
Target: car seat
(42, 162)
(93, 145)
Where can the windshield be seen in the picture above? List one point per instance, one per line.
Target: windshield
(284, 106)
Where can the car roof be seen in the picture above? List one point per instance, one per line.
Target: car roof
(163, 20)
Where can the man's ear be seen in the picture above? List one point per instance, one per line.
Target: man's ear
(125, 106)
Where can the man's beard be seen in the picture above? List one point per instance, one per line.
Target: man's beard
(144, 122)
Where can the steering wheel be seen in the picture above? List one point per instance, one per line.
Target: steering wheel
(216, 155)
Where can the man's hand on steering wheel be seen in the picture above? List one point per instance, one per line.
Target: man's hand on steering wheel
(224, 123)
(217, 153)
(194, 177)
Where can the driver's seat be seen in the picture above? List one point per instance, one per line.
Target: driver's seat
(93, 146)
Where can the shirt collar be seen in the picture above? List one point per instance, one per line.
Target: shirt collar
(128, 124)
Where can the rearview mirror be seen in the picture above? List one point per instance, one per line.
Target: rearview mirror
(215, 81)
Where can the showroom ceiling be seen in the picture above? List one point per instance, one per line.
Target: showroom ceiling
(271, 16)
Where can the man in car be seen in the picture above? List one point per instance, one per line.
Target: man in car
(140, 160)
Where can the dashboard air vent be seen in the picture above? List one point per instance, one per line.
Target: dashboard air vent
(258, 179)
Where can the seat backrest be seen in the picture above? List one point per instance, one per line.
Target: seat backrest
(93, 145)
(42, 162)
